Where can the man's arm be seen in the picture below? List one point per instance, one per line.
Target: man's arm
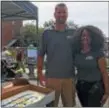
(39, 66)
(41, 53)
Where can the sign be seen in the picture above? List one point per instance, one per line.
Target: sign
(32, 55)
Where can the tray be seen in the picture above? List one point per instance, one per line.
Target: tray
(19, 87)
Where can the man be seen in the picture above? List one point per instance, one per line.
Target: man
(57, 45)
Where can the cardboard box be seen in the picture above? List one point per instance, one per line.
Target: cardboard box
(21, 85)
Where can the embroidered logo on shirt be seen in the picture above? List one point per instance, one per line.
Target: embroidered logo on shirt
(89, 58)
(69, 37)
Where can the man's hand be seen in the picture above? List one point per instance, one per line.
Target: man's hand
(42, 79)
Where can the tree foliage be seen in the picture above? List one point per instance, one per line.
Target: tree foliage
(29, 34)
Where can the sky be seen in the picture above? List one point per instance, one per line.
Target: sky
(82, 13)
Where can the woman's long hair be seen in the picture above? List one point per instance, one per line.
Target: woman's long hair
(96, 35)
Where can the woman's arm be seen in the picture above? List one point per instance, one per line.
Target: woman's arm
(102, 66)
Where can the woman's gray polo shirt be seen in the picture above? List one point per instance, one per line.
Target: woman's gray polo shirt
(87, 66)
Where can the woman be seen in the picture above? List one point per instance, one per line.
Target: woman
(92, 78)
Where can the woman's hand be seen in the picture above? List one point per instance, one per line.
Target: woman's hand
(104, 98)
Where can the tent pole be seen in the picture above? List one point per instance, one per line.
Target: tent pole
(37, 25)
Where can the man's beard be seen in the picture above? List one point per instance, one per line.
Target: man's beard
(60, 21)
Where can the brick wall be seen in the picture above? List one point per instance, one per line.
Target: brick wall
(9, 31)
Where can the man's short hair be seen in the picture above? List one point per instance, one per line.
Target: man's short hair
(60, 5)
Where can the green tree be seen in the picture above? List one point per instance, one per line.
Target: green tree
(29, 34)
(48, 23)
(72, 24)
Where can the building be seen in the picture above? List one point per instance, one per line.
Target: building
(10, 31)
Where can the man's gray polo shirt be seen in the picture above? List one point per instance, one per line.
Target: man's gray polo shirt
(57, 45)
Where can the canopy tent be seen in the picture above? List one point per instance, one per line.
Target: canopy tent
(19, 10)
